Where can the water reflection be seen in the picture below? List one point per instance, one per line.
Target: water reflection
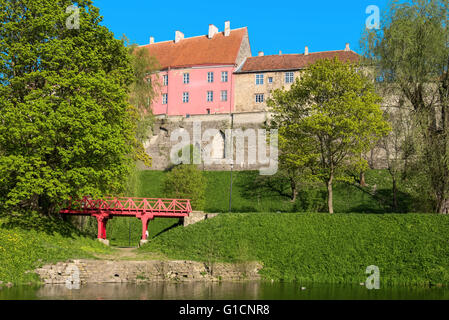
(219, 291)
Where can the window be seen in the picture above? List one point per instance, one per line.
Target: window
(186, 78)
(210, 77)
(259, 98)
(165, 79)
(224, 76)
(270, 79)
(224, 95)
(185, 97)
(164, 98)
(210, 96)
(259, 78)
(289, 77)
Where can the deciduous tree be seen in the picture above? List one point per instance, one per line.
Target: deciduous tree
(326, 120)
(411, 56)
(65, 122)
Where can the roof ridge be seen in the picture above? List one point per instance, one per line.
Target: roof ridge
(202, 35)
(302, 54)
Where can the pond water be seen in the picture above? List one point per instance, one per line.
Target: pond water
(219, 291)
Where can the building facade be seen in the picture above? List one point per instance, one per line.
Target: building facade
(258, 76)
(197, 74)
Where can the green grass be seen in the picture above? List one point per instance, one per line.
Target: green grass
(254, 193)
(409, 249)
(29, 242)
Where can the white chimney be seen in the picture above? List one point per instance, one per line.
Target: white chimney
(151, 40)
(178, 36)
(227, 30)
(260, 53)
(347, 47)
(213, 30)
(306, 51)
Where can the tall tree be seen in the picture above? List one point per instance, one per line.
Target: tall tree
(327, 119)
(411, 56)
(143, 90)
(65, 122)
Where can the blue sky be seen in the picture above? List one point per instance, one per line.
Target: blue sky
(272, 25)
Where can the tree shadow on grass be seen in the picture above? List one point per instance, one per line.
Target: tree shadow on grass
(254, 185)
(174, 225)
(32, 221)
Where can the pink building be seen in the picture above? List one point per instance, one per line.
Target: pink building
(197, 74)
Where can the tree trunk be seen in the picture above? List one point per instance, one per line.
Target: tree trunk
(294, 190)
(443, 206)
(362, 179)
(395, 195)
(330, 194)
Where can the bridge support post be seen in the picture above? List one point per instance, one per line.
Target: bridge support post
(102, 220)
(144, 220)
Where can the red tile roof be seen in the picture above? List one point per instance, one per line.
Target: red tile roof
(293, 61)
(199, 50)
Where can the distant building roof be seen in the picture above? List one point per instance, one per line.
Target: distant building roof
(200, 50)
(293, 61)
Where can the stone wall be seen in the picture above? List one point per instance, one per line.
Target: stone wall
(159, 145)
(121, 271)
(246, 89)
(197, 216)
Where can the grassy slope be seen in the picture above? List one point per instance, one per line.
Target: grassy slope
(253, 193)
(408, 249)
(29, 243)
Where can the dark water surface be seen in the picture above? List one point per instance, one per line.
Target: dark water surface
(219, 291)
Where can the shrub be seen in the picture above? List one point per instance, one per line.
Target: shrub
(186, 181)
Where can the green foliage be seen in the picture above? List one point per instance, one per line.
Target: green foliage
(65, 125)
(408, 249)
(29, 242)
(143, 90)
(326, 120)
(186, 181)
(410, 56)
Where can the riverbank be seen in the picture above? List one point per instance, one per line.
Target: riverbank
(88, 271)
(28, 242)
(409, 249)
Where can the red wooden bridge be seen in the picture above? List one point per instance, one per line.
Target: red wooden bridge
(145, 209)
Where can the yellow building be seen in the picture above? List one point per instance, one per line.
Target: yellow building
(258, 76)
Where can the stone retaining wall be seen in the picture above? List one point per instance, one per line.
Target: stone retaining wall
(121, 271)
(197, 216)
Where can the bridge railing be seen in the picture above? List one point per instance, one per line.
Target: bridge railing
(128, 204)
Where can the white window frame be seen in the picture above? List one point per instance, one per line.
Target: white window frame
(210, 96)
(165, 79)
(185, 97)
(259, 96)
(259, 78)
(210, 77)
(164, 98)
(224, 76)
(289, 77)
(186, 78)
(224, 94)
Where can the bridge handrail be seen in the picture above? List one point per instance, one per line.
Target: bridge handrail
(131, 204)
